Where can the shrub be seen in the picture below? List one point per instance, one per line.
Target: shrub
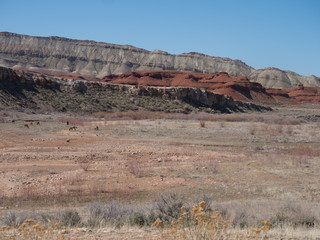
(279, 220)
(96, 210)
(151, 218)
(138, 218)
(197, 223)
(243, 224)
(135, 167)
(86, 162)
(306, 221)
(13, 219)
(31, 229)
(279, 213)
(113, 213)
(264, 228)
(204, 198)
(142, 219)
(168, 206)
(71, 219)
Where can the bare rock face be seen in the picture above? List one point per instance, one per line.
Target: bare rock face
(101, 59)
(299, 94)
(27, 90)
(97, 59)
(239, 88)
(276, 78)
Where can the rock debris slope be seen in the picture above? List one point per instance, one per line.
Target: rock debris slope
(25, 90)
(99, 59)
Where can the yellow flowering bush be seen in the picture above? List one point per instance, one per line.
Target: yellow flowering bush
(263, 229)
(30, 229)
(198, 223)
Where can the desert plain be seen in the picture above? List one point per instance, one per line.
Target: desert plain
(252, 167)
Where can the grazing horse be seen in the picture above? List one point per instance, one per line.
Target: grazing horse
(96, 128)
(26, 125)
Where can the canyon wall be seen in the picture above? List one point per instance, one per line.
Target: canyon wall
(99, 59)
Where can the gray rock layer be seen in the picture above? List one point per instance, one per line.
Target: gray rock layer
(276, 78)
(100, 59)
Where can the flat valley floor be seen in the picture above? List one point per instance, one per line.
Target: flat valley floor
(253, 162)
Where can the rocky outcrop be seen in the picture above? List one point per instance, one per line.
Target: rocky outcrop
(31, 90)
(195, 96)
(276, 78)
(239, 88)
(99, 59)
(298, 94)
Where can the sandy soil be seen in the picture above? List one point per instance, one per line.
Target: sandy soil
(134, 160)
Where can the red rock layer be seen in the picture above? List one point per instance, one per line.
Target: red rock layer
(240, 88)
(300, 93)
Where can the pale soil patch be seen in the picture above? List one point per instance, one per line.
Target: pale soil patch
(152, 234)
(134, 161)
(131, 156)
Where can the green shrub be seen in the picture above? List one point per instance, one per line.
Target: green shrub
(168, 206)
(71, 219)
(13, 219)
(138, 219)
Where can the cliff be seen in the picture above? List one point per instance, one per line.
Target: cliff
(276, 78)
(99, 59)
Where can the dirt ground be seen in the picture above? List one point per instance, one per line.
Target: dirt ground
(48, 165)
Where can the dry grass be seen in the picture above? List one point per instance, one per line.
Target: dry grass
(175, 217)
(269, 118)
(237, 159)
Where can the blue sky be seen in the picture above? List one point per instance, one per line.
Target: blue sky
(262, 33)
